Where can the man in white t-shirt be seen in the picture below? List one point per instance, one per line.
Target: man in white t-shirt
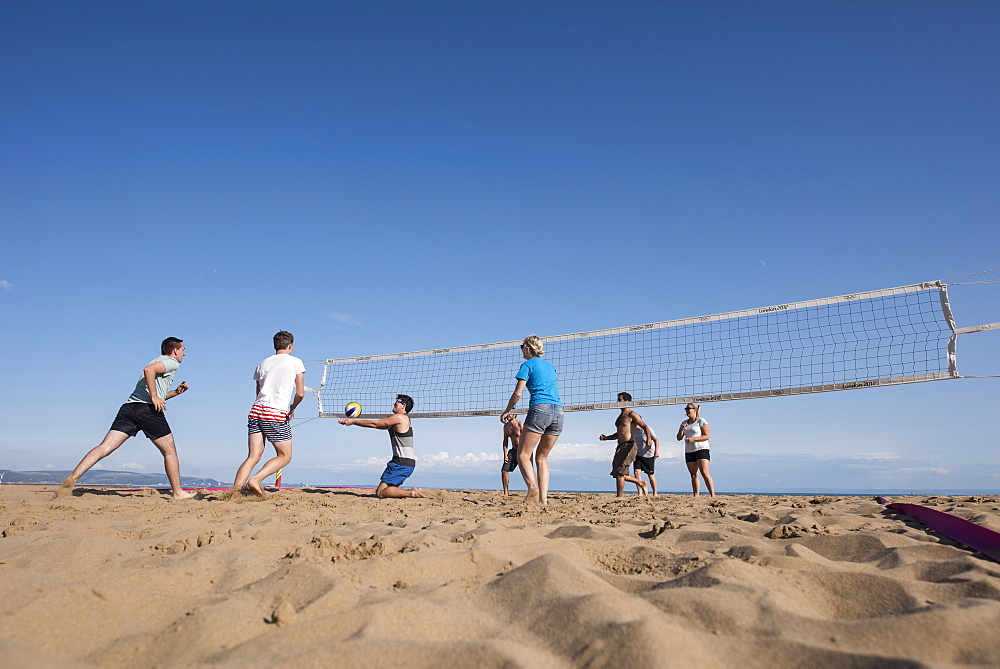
(646, 452)
(277, 378)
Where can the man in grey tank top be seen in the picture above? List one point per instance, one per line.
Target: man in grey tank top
(144, 411)
(402, 464)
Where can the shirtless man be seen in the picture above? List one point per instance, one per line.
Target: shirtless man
(512, 436)
(626, 422)
(402, 464)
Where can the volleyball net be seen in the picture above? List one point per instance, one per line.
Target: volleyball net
(876, 338)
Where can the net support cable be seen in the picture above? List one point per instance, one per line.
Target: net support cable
(861, 340)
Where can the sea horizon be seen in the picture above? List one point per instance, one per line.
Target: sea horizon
(101, 478)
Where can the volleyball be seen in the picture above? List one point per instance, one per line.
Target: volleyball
(352, 410)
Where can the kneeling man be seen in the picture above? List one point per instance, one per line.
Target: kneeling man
(401, 466)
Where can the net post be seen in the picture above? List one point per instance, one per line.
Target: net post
(319, 393)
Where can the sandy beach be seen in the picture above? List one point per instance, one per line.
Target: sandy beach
(319, 577)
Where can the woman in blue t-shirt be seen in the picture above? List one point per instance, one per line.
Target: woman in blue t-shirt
(544, 422)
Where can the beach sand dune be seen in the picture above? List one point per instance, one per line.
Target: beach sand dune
(320, 577)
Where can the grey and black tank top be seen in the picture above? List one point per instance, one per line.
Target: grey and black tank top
(402, 446)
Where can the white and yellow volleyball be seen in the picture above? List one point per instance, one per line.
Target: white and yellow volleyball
(352, 410)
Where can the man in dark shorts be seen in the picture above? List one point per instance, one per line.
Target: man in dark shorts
(144, 411)
(647, 449)
(625, 424)
(511, 437)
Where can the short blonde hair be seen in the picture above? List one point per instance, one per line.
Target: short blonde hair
(534, 345)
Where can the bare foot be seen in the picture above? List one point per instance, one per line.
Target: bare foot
(642, 487)
(184, 494)
(255, 487)
(417, 492)
(65, 489)
(532, 496)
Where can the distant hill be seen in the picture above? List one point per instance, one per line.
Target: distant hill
(104, 477)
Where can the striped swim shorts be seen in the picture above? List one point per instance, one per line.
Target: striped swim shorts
(273, 430)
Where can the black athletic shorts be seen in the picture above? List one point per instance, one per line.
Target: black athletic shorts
(510, 464)
(644, 464)
(135, 416)
(700, 454)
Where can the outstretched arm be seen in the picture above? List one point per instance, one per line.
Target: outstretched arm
(609, 437)
(380, 424)
(179, 390)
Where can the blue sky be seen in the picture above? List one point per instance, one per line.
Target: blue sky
(385, 176)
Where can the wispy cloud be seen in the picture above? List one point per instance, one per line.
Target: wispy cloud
(440, 460)
(598, 452)
(5, 284)
(366, 464)
(443, 460)
(582, 452)
(567, 455)
(882, 458)
(847, 470)
(925, 470)
(585, 466)
(817, 458)
(347, 319)
(131, 465)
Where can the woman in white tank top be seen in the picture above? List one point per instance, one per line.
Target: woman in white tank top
(694, 431)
